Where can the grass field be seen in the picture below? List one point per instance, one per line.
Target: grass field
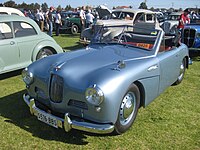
(172, 121)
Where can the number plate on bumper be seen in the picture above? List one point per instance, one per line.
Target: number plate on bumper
(47, 118)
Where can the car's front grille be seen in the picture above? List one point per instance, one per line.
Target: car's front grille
(56, 89)
(78, 104)
(189, 37)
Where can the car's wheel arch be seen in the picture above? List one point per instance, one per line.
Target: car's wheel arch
(135, 88)
(142, 94)
(38, 49)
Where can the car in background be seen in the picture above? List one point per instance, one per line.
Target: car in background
(10, 11)
(22, 43)
(171, 23)
(100, 88)
(191, 37)
(71, 22)
(118, 17)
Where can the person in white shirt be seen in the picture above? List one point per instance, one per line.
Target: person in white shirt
(58, 22)
(89, 18)
(40, 19)
(82, 17)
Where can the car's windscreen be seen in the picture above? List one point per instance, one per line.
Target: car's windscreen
(173, 17)
(120, 15)
(127, 35)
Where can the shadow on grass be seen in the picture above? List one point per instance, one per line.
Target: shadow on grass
(16, 112)
(75, 47)
(10, 74)
(14, 109)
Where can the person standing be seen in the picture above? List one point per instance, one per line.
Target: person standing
(89, 18)
(58, 22)
(82, 17)
(41, 20)
(50, 21)
(184, 19)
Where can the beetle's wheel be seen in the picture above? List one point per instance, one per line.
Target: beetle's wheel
(128, 109)
(43, 53)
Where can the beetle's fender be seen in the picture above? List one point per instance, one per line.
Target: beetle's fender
(47, 44)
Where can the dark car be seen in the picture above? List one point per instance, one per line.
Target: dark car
(71, 22)
(191, 37)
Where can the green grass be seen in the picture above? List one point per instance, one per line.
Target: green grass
(172, 121)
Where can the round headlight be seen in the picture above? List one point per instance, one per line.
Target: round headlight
(27, 76)
(94, 95)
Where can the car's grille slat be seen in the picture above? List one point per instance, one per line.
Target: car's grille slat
(56, 89)
(189, 37)
(78, 104)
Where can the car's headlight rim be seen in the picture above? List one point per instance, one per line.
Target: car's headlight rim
(94, 95)
(27, 76)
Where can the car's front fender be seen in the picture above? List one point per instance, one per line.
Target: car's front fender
(45, 44)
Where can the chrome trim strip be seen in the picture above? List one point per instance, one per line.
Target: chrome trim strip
(69, 124)
(154, 67)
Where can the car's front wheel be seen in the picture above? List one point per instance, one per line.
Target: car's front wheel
(44, 53)
(74, 29)
(128, 109)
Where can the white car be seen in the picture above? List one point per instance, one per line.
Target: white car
(119, 17)
(170, 25)
(10, 11)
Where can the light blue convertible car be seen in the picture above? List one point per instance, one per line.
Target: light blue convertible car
(99, 89)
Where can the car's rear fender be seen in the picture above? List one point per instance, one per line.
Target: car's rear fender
(45, 44)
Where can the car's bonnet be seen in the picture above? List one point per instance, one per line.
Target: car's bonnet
(87, 61)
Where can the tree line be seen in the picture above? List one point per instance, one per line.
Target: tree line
(32, 6)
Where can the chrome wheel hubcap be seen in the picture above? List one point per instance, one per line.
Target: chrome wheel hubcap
(127, 108)
(182, 69)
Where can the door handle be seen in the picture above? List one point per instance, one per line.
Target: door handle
(12, 43)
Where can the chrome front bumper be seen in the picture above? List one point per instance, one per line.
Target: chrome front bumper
(67, 124)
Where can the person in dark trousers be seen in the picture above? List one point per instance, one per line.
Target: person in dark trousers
(50, 20)
(58, 22)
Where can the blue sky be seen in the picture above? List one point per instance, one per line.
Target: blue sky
(110, 3)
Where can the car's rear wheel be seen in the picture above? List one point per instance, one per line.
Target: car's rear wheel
(44, 53)
(128, 109)
(181, 73)
(74, 29)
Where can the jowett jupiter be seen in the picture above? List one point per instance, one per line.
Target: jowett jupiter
(100, 88)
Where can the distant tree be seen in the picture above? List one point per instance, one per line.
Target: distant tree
(130, 7)
(36, 6)
(68, 7)
(10, 4)
(23, 5)
(31, 6)
(143, 5)
(59, 8)
(171, 10)
(152, 9)
(44, 7)
(180, 9)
